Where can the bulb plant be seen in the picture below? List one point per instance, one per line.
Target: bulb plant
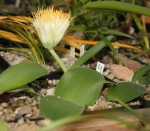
(51, 26)
(72, 94)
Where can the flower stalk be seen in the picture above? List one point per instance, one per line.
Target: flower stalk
(58, 60)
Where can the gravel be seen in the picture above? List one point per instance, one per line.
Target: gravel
(22, 110)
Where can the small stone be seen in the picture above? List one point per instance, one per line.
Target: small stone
(6, 111)
(23, 98)
(116, 80)
(55, 82)
(18, 116)
(28, 115)
(1, 108)
(106, 73)
(1, 113)
(34, 103)
(21, 121)
(9, 116)
(111, 76)
(131, 64)
(35, 111)
(4, 104)
(121, 72)
(50, 91)
(23, 110)
(43, 91)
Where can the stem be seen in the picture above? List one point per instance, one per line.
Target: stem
(58, 60)
(140, 117)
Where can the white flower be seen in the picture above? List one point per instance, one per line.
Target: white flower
(51, 25)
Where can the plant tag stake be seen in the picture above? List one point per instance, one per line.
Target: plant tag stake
(100, 67)
(17, 4)
(117, 48)
(72, 51)
(81, 50)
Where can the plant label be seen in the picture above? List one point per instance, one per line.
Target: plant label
(81, 50)
(72, 51)
(100, 67)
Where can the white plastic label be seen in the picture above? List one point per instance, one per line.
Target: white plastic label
(72, 51)
(100, 67)
(81, 50)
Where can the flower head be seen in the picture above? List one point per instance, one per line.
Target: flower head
(51, 25)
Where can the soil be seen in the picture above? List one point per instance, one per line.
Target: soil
(21, 110)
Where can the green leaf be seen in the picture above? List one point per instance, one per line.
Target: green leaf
(55, 108)
(91, 52)
(117, 6)
(80, 85)
(125, 91)
(116, 56)
(106, 31)
(27, 89)
(19, 75)
(139, 73)
(3, 126)
(62, 122)
(142, 30)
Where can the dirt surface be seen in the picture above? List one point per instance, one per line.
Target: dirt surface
(21, 110)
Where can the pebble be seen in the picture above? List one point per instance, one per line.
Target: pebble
(101, 103)
(121, 72)
(21, 121)
(23, 110)
(53, 82)
(6, 111)
(116, 80)
(1, 108)
(106, 73)
(1, 113)
(111, 76)
(35, 112)
(34, 103)
(18, 116)
(43, 92)
(28, 115)
(22, 98)
(50, 91)
(4, 104)
(9, 117)
(131, 64)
